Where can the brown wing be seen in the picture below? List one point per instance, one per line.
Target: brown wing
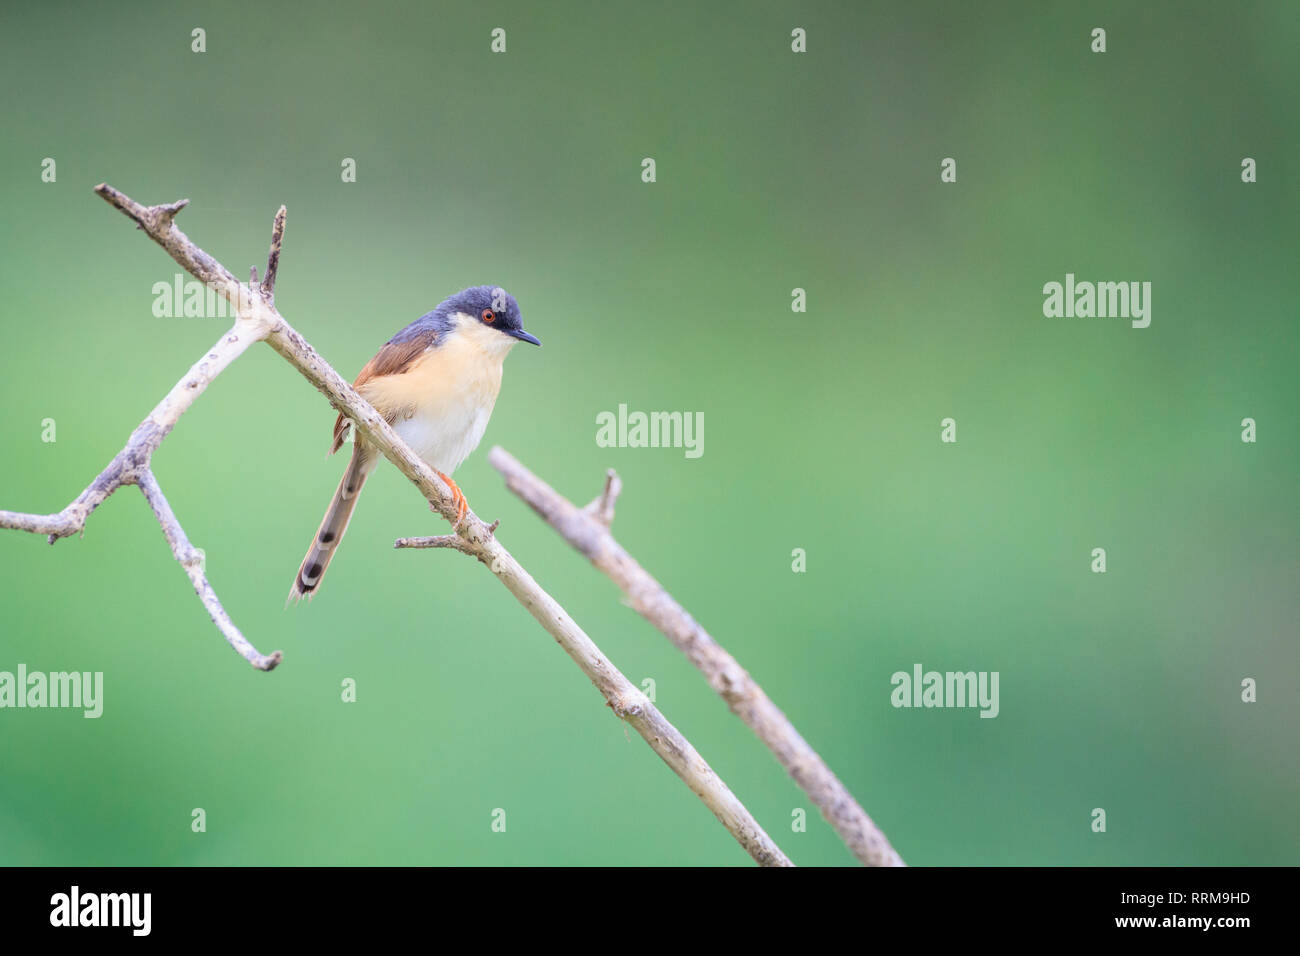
(393, 359)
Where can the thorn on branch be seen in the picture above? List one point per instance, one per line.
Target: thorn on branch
(273, 257)
(602, 507)
(167, 212)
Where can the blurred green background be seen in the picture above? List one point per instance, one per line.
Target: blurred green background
(775, 171)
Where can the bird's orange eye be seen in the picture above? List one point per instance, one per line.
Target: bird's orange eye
(489, 315)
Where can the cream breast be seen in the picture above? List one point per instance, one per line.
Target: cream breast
(447, 394)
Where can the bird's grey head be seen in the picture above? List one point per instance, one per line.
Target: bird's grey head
(490, 305)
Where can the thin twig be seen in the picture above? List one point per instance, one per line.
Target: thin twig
(436, 541)
(273, 257)
(588, 532)
(191, 560)
(258, 320)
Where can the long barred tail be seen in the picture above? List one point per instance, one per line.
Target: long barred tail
(334, 524)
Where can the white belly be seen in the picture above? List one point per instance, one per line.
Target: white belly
(446, 439)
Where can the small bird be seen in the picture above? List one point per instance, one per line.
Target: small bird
(435, 382)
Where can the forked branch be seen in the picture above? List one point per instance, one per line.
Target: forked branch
(132, 465)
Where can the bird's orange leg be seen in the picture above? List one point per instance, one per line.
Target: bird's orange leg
(462, 505)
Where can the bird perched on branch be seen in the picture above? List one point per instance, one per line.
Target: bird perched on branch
(435, 382)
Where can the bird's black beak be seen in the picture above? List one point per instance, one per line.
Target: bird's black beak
(522, 336)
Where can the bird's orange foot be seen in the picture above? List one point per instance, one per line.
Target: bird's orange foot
(462, 505)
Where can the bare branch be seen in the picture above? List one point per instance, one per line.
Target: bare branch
(624, 698)
(71, 519)
(131, 465)
(191, 560)
(157, 222)
(585, 530)
(436, 541)
(259, 320)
